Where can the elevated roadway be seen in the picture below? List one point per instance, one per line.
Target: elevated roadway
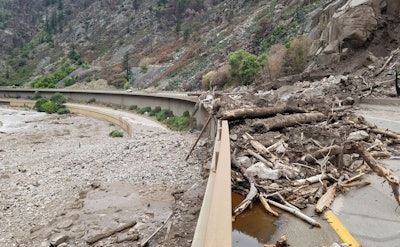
(178, 103)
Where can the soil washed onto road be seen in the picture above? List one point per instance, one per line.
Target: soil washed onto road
(64, 181)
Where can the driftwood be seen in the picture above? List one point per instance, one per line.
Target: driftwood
(260, 158)
(384, 66)
(292, 151)
(310, 180)
(274, 161)
(356, 184)
(260, 148)
(385, 132)
(246, 202)
(109, 233)
(378, 168)
(336, 150)
(283, 121)
(266, 205)
(157, 230)
(264, 112)
(295, 212)
(326, 200)
(356, 177)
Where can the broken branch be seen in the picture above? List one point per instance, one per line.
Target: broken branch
(266, 205)
(157, 230)
(378, 168)
(295, 212)
(109, 233)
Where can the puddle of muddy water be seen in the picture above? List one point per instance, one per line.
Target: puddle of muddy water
(252, 228)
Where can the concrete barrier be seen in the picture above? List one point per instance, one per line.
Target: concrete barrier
(214, 226)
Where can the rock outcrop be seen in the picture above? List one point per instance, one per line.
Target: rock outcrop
(346, 26)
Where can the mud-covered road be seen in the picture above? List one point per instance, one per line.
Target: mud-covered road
(64, 180)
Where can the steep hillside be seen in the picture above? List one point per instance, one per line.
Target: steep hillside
(173, 44)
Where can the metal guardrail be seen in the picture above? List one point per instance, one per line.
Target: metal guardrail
(214, 226)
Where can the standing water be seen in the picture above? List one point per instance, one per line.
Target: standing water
(253, 227)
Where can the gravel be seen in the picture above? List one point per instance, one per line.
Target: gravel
(62, 175)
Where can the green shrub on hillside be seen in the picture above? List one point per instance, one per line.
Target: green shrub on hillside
(245, 66)
(50, 81)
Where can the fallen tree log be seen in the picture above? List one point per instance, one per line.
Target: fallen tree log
(378, 168)
(283, 121)
(263, 112)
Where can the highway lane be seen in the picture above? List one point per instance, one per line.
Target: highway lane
(370, 213)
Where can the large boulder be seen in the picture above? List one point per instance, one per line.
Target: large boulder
(353, 24)
(347, 24)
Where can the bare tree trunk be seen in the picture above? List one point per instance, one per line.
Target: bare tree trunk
(283, 121)
(264, 112)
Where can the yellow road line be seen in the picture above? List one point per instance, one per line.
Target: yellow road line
(340, 229)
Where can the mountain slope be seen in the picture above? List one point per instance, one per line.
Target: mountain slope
(172, 44)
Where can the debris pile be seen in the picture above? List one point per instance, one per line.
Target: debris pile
(301, 144)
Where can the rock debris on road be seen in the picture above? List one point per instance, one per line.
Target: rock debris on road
(63, 177)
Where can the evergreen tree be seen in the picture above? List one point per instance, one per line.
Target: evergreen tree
(125, 65)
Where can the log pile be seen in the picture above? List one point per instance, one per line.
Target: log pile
(293, 153)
